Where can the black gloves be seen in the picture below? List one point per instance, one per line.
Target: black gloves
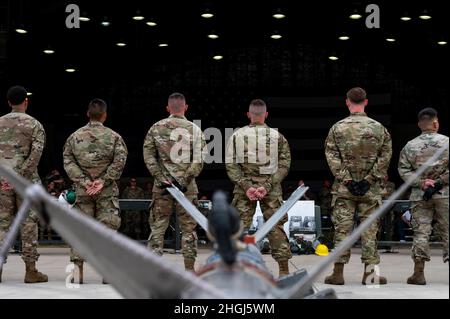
(430, 191)
(358, 188)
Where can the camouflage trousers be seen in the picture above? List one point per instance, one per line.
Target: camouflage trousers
(133, 223)
(160, 212)
(423, 214)
(343, 220)
(9, 205)
(278, 240)
(104, 209)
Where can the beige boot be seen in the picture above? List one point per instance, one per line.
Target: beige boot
(283, 266)
(80, 266)
(32, 275)
(380, 280)
(337, 277)
(189, 264)
(418, 277)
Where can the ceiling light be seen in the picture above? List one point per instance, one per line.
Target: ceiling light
(151, 23)
(390, 39)
(355, 15)
(105, 23)
(29, 94)
(163, 45)
(84, 18)
(276, 36)
(49, 51)
(218, 57)
(213, 36)
(405, 18)
(333, 58)
(121, 44)
(425, 15)
(279, 16)
(344, 37)
(442, 42)
(21, 31)
(207, 14)
(70, 70)
(138, 16)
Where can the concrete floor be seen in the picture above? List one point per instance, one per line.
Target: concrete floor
(395, 266)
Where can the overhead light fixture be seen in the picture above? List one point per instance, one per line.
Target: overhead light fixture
(84, 17)
(213, 36)
(207, 14)
(279, 15)
(344, 38)
(29, 93)
(442, 42)
(105, 22)
(405, 18)
(218, 57)
(21, 31)
(333, 58)
(163, 45)
(121, 44)
(355, 15)
(276, 36)
(70, 70)
(425, 15)
(151, 23)
(390, 39)
(138, 16)
(49, 51)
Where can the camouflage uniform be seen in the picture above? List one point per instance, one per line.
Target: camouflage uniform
(22, 139)
(357, 148)
(166, 164)
(96, 152)
(250, 165)
(133, 220)
(325, 198)
(413, 156)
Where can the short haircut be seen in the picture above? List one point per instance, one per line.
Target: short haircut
(427, 114)
(177, 101)
(257, 107)
(96, 109)
(357, 95)
(16, 95)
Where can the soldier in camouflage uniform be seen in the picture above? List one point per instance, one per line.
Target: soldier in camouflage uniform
(22, 139)
(358, 150)
(133, 220)
(94, 158)
(429, 193)
(173, 153)
(257, 160)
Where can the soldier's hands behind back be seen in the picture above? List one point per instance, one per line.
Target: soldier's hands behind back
(260, 193)
(430, 191)
(251, 194)
(95, 187)
(358, 188)
(364, 187)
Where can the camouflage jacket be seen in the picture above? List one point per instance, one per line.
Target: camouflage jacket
(174, 150)
(358, 148)
(258, 155)
(95, 152)
(22, 140)
(415, 154)
(130, 193)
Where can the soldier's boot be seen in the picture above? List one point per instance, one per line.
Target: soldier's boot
(80, 266)
(32, 275)
(283, 266)
(418, 277)
(337, 277)
(189, 264)
(374, 279)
